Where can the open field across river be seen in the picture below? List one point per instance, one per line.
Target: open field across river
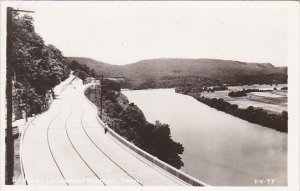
(273, 99)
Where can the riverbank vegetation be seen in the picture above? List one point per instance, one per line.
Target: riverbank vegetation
(258, 116)
(242, 92)
(129, 121)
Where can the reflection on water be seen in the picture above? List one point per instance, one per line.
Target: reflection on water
(220, 149)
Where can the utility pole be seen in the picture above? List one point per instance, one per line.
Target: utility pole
(95, 97)
(101, 96)
(9, 168)
(101, 93)
(97, 83)
(9, 136)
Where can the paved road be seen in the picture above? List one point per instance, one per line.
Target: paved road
(66, 145)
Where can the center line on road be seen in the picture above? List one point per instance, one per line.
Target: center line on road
(102, 150)
(48, 128)
(66, 129)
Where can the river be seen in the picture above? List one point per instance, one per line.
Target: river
(219, 149)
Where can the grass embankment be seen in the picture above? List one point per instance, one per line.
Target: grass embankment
(128, 120)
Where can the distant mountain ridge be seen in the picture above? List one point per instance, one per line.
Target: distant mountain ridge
(157, 69)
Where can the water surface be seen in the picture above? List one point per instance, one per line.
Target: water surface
(219, 149)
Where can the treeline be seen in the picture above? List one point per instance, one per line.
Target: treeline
(82, 71)
(181, 83)
(242, 92)
(36, 67)
(129, 121)
(260, 79)
(258, 116)
(194, 84)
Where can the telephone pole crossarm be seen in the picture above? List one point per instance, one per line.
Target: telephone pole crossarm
(20, 10)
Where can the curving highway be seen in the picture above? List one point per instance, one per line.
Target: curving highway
(66, 145)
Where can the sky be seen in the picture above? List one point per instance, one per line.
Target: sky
(126, 32)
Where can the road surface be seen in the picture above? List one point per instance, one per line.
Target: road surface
(66, 145)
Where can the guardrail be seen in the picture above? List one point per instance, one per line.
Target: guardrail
(181, 175)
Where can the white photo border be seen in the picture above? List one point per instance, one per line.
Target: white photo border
(293, 95)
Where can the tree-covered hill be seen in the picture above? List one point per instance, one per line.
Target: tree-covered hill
(167, 72)
(36, 67)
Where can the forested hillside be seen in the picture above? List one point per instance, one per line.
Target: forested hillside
(36, 67)
(174, 72)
